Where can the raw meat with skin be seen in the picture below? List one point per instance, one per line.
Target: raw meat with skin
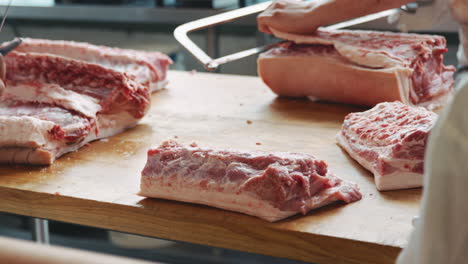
(390, 141)
(271, 186)
(360, 67)
(57, 96)
(149, 68)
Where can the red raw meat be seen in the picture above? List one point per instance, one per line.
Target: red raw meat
(390, 141)
(360, 67)
(60, 95)
(271, 186)
(149, 68)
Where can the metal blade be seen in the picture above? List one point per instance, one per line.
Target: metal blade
(5, 49)
(364, 19)
(212, 65)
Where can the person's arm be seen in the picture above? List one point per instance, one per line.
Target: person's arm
(14, 251)
(441, 233)
(459, 9)
(2, 72)
(295, 16)
(463, 50)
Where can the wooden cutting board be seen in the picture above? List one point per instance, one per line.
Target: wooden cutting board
(97, 185)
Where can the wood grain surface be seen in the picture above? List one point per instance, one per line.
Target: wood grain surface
(97, 185)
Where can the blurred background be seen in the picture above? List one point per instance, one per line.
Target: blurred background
(148, 25)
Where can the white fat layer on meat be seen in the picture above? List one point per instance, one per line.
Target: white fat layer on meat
(399, 179)
(30, 137)
(156, 86)
(368, 58)
(53, 94)
(204, 178)
(242, 203)
(360, 56)
(108, 125)
(228, 199)
(24, 131)
(405, 85)
(118, 123)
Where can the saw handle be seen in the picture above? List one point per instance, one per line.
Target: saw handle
(181, 33)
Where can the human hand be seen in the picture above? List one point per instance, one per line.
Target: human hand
(459, 10)
(292, 16)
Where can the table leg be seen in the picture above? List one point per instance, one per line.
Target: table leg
(40, 231)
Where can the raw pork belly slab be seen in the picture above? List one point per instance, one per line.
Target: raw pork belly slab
(149, 68)
(271, 186)
(60, 95)
(360, 67)
(390, 141)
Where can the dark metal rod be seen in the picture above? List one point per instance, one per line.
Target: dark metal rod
(40, 231)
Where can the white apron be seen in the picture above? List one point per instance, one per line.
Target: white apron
(440, 235)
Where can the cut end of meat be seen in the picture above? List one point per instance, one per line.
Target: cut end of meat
(271, 186)
(18, 155)
(396, 180)
(44, 73)
(360, 67)
(390, 141)
(60, 95)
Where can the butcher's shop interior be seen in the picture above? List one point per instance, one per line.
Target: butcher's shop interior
(233, 131)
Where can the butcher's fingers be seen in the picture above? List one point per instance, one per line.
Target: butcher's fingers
(287, 16)
(282, 4)
(459, 10)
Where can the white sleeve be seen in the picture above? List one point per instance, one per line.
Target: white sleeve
(463, 48)
(441, 233)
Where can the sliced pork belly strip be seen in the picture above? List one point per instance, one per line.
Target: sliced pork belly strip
(390, 141)
(149, 68)
(58, 122)
(378, 66)
(38, 133)
(59, 79)
(271, 186)
(52, 104)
